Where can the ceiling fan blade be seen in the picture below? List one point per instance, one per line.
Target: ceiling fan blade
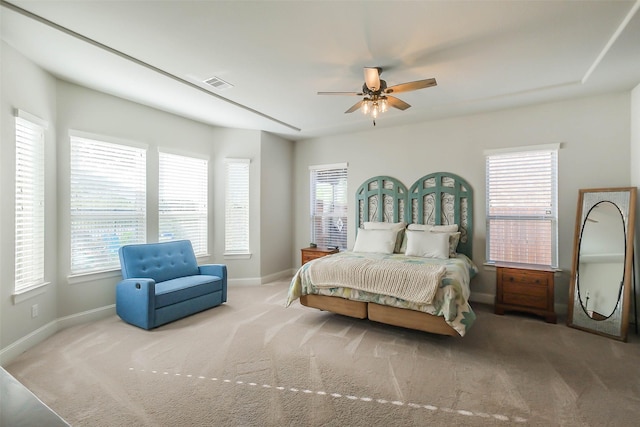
(406, 87)
(372, 78)
(397, 103)
(356, 106)
(341, 93)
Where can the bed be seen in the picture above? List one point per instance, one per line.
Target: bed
(417, 278)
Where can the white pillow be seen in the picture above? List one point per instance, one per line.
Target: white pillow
(382, 241)
(398, 227)
(437, 228)
(427, 245)
(452, 230)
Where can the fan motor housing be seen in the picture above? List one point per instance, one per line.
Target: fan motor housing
(366, 90)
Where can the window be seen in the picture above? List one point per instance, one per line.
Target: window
(29, 202)
(329, 205)
(108, 202)
(522, 207)
(182, 200)
(236, 220)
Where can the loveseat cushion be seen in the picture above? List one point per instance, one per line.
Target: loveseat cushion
(158, 261)
(184, 288)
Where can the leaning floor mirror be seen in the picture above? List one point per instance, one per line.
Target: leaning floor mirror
(600, 291)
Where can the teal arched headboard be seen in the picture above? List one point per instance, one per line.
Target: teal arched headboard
(381, 199)
(439, 198)
(443, 198)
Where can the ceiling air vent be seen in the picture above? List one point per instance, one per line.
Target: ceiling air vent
(218, 83)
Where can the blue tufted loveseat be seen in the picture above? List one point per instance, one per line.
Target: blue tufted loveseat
(162, 282)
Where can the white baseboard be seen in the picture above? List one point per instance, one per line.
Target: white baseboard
(256, 281)
(18, 347)
(86, 316)
(278, 276)
(482, 298)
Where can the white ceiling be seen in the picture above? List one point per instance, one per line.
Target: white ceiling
(485, 55)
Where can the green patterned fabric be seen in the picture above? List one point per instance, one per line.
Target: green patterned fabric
(451, 300)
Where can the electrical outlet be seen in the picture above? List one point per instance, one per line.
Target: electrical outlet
(34, 311)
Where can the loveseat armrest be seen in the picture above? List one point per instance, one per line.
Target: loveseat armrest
(219, 270)
(135, 301)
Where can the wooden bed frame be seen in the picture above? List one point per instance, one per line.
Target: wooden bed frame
(437, 199)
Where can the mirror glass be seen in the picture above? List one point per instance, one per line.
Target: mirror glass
(600, 287)
(601, 261)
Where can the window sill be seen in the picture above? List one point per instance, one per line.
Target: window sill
(74, 279)
(30, 292)
(491, 266)
(237, 256)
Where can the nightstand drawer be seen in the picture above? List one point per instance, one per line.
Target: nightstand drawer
(525, 295)
(525, 289)
(306, 257)
(309, 254)
(524, 277)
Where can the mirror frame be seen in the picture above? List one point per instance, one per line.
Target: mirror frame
(616, 325)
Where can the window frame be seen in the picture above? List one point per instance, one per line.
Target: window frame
(29, 199)
(519, 155)
(181, 207)
(237, 208)
(340, 171)
(104, 216)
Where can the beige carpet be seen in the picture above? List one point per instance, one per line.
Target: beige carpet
(252, 362)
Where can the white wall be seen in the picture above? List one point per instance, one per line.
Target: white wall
(83, 109)
(594, 133)
(27, 87)
(66, 106)
(276, 210)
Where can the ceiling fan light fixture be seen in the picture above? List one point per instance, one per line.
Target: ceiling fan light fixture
(383, 104)
(374, 106)
(366, 106)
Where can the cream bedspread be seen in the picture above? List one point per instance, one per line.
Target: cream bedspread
(450, 301)
(411, 282)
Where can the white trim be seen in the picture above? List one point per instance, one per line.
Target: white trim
(611, 41)
(183, 153)
(237, 256)
(482, 298)
(87, 316)
(29, 292)
(31, 118)
(329, 166)
(234, 160)
(523, 149)
(18, 347)
(104, 138)
(74, 279)
(23, 344)
(277, 276)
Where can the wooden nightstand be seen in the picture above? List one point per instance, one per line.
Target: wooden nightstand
(529, 289)
(312, 253)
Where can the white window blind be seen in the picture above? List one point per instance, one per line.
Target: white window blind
(236, 240)
(182, 200)
(29, 225)
(108, 202)
(522, 207)
(329, 205)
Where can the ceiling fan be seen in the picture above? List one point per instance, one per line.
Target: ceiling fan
(377, 96)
